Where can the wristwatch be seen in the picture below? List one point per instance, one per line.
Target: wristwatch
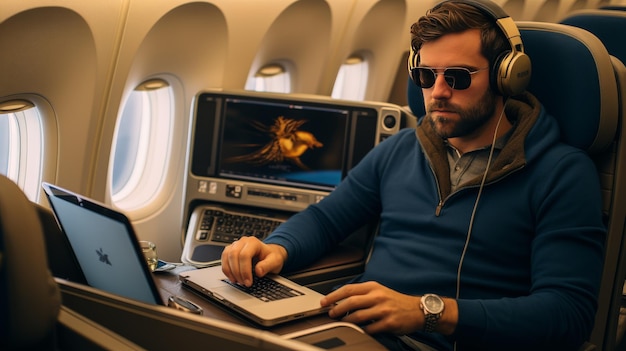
(432, 305)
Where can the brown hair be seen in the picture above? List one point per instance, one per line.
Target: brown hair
(455, 17)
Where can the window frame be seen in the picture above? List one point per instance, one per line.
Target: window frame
(36, 149)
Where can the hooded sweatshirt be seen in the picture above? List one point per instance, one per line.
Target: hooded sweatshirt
(533, 257)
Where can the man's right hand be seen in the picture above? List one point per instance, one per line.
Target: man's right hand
(238, 258)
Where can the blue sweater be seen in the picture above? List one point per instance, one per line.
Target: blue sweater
(532, 270)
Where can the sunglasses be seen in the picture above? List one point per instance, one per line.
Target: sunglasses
(458, 78)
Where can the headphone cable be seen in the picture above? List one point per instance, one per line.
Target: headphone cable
(480, 190)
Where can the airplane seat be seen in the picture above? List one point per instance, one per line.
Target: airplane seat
(584, 96)
(29, 297)
(573, 76)
(415, 99)
(608, 24)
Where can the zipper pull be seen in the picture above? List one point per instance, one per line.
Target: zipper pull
(438, 208)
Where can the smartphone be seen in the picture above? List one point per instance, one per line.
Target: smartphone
(164, 266)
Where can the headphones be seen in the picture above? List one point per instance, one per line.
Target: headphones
(510, 72)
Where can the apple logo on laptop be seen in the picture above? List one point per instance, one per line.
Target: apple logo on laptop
(103, 257)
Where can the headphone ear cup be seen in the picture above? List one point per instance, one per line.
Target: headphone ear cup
(412, 62)
(495, 80)
(511, 74)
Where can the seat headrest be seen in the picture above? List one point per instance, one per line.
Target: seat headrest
(29, 297)
(608, 25)
(572, 77)
(415, 98)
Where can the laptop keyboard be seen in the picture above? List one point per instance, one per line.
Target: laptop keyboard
(227, 226)
(267, 289)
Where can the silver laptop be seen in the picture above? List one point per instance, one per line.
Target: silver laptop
(108, 253)
(104, 244)
(271, 300)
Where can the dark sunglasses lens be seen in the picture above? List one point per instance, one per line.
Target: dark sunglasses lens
(458, 78)
(423, 77)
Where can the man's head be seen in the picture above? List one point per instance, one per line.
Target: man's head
(500, 39)
(458, 49)
(456, 17)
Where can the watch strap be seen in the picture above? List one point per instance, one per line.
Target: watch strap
(431, 320)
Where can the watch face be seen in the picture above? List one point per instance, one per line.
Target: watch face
(433, 304)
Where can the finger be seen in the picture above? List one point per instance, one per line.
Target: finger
(335, 296)
(345, 292)
(226, 268)
(262, 267)
(340, 310)
(248, 251)
(353, 310)
(243, 252)
(231, 262)
(270, 263)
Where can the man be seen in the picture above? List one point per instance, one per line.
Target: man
(482, 212)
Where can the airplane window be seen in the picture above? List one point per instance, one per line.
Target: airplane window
(351, 80)
(141, 145)
(21, 150)
(271, 78)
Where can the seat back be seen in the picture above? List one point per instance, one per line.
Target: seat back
(29, 297)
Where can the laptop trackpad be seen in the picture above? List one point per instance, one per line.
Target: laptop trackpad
(206, 253)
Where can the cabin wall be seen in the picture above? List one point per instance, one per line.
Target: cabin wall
(84, 58)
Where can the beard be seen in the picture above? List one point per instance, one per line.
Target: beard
(470, 120)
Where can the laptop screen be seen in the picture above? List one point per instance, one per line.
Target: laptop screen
(105, 246)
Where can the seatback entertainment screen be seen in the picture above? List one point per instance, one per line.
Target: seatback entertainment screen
(286, 144)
